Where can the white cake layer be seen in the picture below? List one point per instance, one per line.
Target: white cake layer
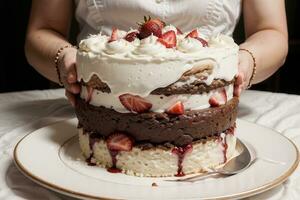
(160, 103)
(158, 162)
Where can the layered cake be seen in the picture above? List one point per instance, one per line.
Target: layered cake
(155, 101)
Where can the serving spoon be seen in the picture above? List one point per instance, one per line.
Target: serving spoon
(233, 166)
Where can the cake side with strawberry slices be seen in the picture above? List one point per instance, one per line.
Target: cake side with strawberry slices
(156, 101)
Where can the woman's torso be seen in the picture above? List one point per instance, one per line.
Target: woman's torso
(212, 16)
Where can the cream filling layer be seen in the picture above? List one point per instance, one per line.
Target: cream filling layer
(160, 103)
(141, 77)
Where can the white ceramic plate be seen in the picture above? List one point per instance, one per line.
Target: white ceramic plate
(51, 157)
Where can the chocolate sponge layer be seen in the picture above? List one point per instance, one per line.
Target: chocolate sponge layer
(158, 128)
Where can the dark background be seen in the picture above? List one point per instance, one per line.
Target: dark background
(16, 74)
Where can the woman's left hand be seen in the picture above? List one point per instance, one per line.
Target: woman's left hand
(245, 70)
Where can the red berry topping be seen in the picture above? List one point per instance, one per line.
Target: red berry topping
(203, 42)
(151, 26)
(193, 34)
(114, 35)
(176, 109)
(168, 39)
(119, 142)
(135, 103)
(131, 36)
(218, 98)
(160, 23)
(179, 32)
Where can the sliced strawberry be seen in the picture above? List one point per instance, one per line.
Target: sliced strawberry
(203, 42)
(218, 98)
(114, 35)
(135, 103)
(119, 142)
(168, 39)
(193, 34)
(179, 32)
(89, 94)
(131, 36)
(160, 23)
(176, 109)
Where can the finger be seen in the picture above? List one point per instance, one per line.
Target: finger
(244, 86)
(239, 79)
(73, 88)
(237, 90)
(71, 98)
(70, 67)
(71, 77)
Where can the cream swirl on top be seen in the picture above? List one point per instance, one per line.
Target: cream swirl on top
(118, 47)
(95, 43)
(221, 41)
(189, 45)
(149, 46)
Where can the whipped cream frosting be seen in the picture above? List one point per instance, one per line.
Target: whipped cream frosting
(150, 46)
(160, 103)
(141, 66)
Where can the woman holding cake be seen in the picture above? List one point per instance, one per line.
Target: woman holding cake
(262, 53)
(159, 98)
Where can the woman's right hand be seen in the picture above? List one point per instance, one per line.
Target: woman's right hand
(67, 68)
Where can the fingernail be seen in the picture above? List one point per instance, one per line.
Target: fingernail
(71, 78)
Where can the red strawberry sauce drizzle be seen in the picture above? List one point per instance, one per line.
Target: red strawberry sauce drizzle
(225, 149)
(113, 169)
(89, 160)
(229, 131)
(113, 153)
(92, 140)
(181, 152)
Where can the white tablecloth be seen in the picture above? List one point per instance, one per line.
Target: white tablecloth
(23, 112)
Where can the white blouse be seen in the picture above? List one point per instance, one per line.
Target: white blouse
(211, 16)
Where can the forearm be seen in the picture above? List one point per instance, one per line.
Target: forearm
(41, 47)
(270, 48)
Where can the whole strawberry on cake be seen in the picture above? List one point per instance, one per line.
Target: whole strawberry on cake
(156, 101)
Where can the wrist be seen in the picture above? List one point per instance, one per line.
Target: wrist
(251, 66)
(59, 56)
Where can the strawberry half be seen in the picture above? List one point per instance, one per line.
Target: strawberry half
(203, 42)
(176, 109)
(218, 98)
(135, 103)
(168, 39)
(114, 35)
(193, 34)
(150, 28)
(119, 142)
(160, 23)
(131, 36)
